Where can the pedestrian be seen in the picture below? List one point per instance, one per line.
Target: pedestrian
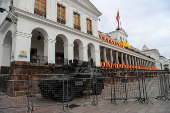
(91, 62)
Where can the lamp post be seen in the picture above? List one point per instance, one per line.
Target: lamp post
(9, 19)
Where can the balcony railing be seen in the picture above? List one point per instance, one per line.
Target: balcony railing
(89, 32)
(38, 60)
(61, 20)
(39, 12)
(61, 61)
(77, 27)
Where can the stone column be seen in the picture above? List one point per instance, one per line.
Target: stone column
(95, 54)
(104, 55)
(147, 63)
(83, 53)
(111, 55)
(144, 63)
(130, 62)
(138, 61)
(133, 62)
(68, 51)
(117, 59)
(122, 62)
(21, 44)
(49, 50)
(126, 59)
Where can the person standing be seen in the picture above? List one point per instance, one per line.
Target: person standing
(91, 62)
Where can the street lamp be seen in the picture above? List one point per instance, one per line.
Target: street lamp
(8, 18)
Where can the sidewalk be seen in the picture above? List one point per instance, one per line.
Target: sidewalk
(105, 106)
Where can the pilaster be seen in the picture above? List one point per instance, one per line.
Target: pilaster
(49, 50)
(104, 54)
(83, 53)
(21, 44)
(122, 62)
(117, 59)
(111, 55)
(68, 51)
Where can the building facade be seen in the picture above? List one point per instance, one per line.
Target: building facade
(48, 30)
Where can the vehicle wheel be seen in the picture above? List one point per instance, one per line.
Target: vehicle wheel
(99, 88)
(47, 95)
(70, 93)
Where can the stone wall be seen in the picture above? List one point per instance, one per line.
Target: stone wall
(22, 68)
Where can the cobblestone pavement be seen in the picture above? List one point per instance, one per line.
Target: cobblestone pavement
(104, 106)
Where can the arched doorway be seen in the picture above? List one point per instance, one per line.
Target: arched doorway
(60, 55)
(6, 50)
(90, 50)
(39, 47)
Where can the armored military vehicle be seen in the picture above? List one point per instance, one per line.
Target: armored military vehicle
(74, 80)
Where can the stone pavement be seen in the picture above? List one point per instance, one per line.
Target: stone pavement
(104, 106)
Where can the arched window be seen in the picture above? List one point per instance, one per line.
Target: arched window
(40, 7)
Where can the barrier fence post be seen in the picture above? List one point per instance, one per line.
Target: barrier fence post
(95, 81)
(64, 94)
(125, 88)
(111, 83)
(114, 89)
(67, 93)
(32, 93)
(140, 98)
(28, 92)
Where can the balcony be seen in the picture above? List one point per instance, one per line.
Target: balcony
(61, 20)
(77, 27)
(89, 32)
(38, 60)
(39, 12)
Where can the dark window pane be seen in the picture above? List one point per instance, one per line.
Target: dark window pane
(62, 9)
(36, 1)
(36, 6)
(43, 9)
(42, 4)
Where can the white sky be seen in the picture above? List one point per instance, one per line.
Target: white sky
(145, 21)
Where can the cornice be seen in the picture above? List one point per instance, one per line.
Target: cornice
(80, 5)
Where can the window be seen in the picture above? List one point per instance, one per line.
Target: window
(85, 71)
(76, 21)
(61, 14)
(40, 7)
(89, 27)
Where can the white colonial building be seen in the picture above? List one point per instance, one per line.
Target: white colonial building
(56, 29)
(160, 61)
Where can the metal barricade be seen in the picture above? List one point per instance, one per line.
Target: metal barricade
(127, 85)
(48, 90)
(79, 89)
(14, 93)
